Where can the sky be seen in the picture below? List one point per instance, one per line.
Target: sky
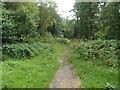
(64, 6)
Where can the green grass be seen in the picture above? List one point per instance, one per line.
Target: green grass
(93, 76)
(36, 72)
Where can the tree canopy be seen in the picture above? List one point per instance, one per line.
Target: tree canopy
(97, 20)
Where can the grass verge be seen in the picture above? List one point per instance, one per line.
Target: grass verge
(95, 76)
(36, 72)
(92, 74)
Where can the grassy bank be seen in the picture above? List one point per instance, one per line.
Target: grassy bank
(95, 71)
(34, 72)
(95, 76)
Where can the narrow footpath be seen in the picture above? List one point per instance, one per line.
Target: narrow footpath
(66, 77)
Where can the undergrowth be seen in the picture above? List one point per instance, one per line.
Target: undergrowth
(34, 72)
(23, 50)
(102, 51)
(96, 63)
(30, 49)
(32, 64)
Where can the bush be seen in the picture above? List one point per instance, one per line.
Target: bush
(48, 38)
(104, 52)
(23, 50)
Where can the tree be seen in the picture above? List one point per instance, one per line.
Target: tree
(97, 20)
(110, 20)
(85, 14)
(8, 26)
(25, 18)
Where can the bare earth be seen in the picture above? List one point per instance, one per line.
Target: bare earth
(65, 77)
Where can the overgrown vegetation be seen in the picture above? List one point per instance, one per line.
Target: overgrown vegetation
(31, 47)
(34, 37)
(102, 51)
(34, 72)
(96, 63)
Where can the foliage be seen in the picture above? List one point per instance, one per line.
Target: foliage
(109, 20)
(62, 40)
(36, 72)
(24, 50)
(96, 63)
(97, 20)
(47, 38)
(69, 31)
(8, 26)
(104, 52)
(107, 85)
(85, 15)
(19, 22)
(25, 20)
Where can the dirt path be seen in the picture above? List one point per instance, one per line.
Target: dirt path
(65, 77)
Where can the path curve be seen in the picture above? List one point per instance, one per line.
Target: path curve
(66, 77)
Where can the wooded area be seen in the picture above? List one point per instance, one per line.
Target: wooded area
(34, 37)
(94, 20)
(97, 20)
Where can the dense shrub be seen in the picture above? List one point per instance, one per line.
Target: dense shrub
(102, 51)
(31, 48)
(47, 38)
(23, 50)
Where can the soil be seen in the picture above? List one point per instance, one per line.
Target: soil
(66, 77)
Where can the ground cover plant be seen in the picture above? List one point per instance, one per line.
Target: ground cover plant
(34, 72)
(23, 50)
(96, 63)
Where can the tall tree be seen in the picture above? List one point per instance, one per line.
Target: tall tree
(110, 20)
(85, 13)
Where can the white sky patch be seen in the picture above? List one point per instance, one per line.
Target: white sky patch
(64, 7)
